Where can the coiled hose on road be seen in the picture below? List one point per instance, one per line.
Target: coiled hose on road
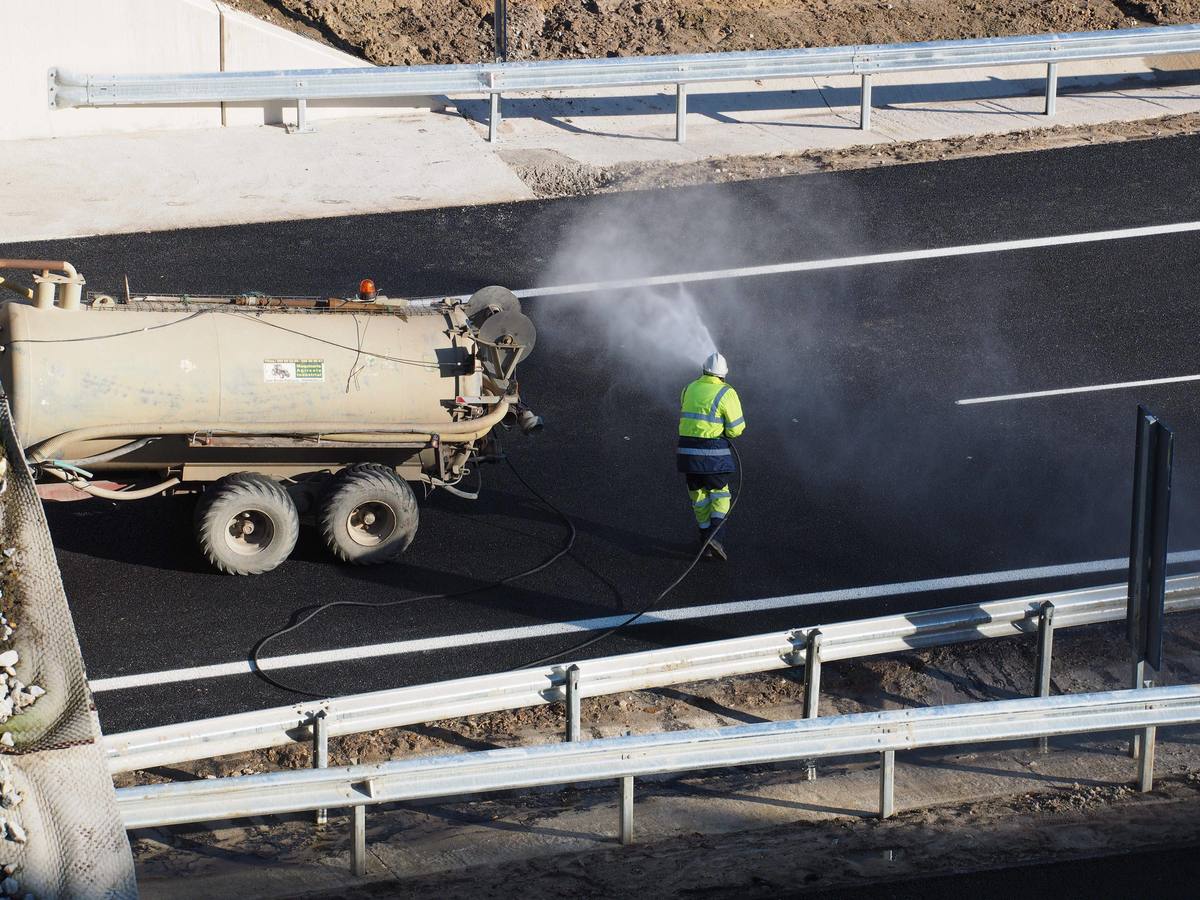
(304, 616)
(595, 639)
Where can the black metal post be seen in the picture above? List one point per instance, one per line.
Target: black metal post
(1139, 537)
(500, 25)
(1164, 453)
(1153, 461)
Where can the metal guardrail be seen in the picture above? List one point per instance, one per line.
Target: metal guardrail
(672, 752)
(318, 720)
(69, 89)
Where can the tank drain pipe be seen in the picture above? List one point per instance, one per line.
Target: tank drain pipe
(105, 494)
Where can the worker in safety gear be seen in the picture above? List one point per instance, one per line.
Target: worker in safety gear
(710, 415)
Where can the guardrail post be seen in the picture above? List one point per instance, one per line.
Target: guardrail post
(1051, 88)
(625, 832)
(320, 731)
(681, 113)
(1044, 658)
(887, 784)
(812, 689)
(302, 126)
(812, 675)
(573, 728)
(358, 847)
(864, 115)
(494, 118)
(1146, 761)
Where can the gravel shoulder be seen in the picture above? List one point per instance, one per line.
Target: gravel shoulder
(759, 832)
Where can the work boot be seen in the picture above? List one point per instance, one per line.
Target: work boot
(716, 550)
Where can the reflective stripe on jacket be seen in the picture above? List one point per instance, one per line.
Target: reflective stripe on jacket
(709, 408)
(710, 414)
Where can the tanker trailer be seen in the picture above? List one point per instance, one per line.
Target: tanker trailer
(267, 407)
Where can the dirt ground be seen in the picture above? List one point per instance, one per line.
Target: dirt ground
(796, 860)
(551, 174)
(1074, 803)
(408, 32)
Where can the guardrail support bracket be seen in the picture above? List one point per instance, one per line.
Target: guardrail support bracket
(1051, 88)
(358, 848)
(573, 724)
(864, 114)
(887, 784)
(320, 730)
(681, 112)
(1139, 681)
(625, 832)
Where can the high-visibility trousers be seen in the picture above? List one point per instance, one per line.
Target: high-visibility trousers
(710, 498)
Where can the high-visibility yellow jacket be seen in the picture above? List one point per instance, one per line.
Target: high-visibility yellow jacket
(710, 412)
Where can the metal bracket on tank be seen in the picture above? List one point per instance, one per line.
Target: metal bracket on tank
(435, 441)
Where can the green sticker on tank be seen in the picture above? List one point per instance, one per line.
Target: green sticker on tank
(277, 370)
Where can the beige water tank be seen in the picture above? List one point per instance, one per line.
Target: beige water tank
(168, 363)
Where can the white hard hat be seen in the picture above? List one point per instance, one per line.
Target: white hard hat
(716, 365)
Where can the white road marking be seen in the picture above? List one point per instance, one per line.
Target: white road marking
(843, 262)
(874, 259)
(529, 632)
(1115, 386)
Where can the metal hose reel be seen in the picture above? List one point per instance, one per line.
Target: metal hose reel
(491, 299)
(505, 335)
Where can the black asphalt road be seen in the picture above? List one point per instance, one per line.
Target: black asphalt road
(1163, 875)
(859, 467)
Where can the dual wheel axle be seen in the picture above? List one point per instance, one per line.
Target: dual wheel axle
(248, 523)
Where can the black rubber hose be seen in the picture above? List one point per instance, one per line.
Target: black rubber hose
(304, 616)
(301, 619)
(575, 648)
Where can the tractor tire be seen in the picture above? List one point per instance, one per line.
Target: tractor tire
(246, 524)
(368, 515)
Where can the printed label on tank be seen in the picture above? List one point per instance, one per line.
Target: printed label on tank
(293, 370)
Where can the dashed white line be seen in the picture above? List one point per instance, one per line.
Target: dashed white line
(1087, 389)
(529, 632)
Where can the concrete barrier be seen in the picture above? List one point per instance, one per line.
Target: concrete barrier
(152, 36)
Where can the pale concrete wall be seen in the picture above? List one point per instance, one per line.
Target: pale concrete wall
(251, 44)
(101, 36)
(152, 36)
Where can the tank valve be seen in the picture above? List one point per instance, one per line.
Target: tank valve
(529, 421)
